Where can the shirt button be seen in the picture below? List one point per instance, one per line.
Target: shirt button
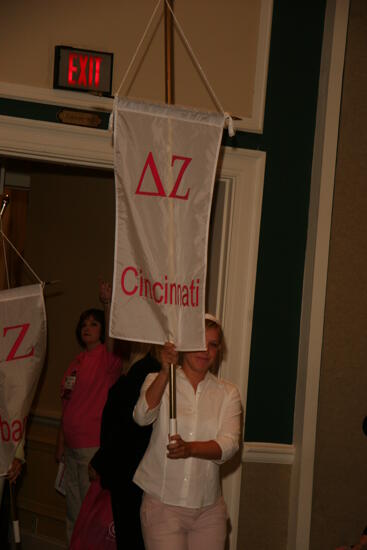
(186, 479)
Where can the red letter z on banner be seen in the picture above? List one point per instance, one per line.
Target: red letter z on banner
(186, 162)
(18, 341)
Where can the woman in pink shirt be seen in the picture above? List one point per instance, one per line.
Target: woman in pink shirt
(84, 390)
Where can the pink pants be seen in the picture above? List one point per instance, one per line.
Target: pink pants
(168, 527)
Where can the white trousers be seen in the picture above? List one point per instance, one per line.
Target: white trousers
(168, 527)
(76, 482)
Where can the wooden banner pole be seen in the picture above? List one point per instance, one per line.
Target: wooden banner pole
(169, 53)
(169, 97)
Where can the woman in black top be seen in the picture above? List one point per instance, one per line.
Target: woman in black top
(122, 446)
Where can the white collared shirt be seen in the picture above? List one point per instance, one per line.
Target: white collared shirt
(212, 413)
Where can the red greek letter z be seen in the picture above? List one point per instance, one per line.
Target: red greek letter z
(23, 330)
(186, 162)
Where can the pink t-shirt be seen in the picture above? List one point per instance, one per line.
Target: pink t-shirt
(84, 390)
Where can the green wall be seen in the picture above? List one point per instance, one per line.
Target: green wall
(288, 137)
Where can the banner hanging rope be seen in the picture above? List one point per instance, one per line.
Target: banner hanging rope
(4, 205)
(4, 254)
(5, 238)
(138, 47)
(22, 258)
(228, 118)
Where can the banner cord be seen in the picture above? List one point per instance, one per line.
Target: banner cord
(196, 61)
(228, 118)
(139, 46)
(20, 256)
(4, 252)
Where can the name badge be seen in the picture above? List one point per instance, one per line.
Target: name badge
(70, 382)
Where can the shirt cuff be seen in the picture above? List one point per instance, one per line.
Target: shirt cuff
(229, 448)
(142, 414)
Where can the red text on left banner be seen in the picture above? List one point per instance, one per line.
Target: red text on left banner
(23, 331)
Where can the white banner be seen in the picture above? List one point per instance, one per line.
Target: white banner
(22, 353)
(165, 165)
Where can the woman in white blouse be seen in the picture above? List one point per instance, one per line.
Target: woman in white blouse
(182, 506)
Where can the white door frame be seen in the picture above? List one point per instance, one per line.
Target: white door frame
(243, 170)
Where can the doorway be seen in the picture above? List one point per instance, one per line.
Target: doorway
(69, 242)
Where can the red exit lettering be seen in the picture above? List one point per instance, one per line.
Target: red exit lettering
(84, 70)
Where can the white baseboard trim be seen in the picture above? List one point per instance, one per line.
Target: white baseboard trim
(268, 453)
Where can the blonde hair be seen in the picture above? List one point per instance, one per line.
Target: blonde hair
(138, 350)
(211, 322)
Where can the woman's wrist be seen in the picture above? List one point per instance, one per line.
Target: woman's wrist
(155, 391)
(164, 371)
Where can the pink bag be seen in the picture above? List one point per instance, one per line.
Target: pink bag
(94, 529)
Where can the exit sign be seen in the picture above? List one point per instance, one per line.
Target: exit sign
(83, 70)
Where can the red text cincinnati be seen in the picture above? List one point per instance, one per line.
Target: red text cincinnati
(134, 283)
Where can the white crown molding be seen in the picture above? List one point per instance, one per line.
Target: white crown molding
(53, 142)
(49, 96)
(61, 143)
